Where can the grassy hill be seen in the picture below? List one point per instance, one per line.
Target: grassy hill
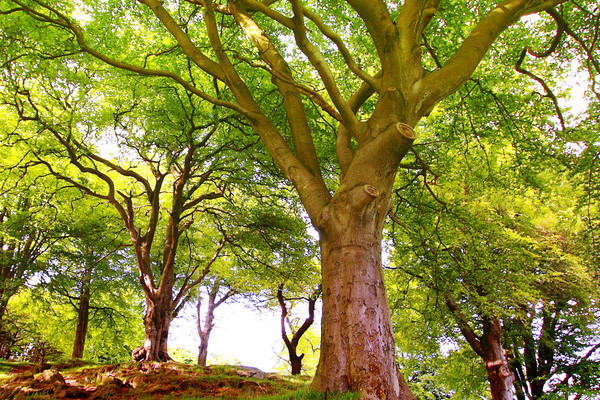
(168, 381)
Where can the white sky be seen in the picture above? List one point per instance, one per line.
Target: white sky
(241, 336)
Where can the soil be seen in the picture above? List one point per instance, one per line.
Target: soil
(171, 380)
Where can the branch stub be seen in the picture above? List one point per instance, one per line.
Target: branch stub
(406, 130)
(371, 191)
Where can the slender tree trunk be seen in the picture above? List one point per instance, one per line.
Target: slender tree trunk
(83, 316)
(205, 331)
(488, 346)
(296, 362)
(3, 306)
(292, 344)
(499, 374)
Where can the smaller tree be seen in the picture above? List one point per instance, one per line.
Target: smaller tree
(29, 227)
(296, 330)
(218, 292)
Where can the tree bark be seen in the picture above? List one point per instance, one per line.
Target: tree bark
(205, 331)
(357, 342)
(499, 373)
(83, 316)
(488, 346)
(156, 329)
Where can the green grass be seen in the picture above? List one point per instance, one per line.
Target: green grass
(305, 394)
(302, 394)
(7, 366)
(210, 379)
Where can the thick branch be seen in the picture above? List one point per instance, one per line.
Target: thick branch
(320, 64)
(296, 115)
(463, 323)
(378, 21)
(461, 65)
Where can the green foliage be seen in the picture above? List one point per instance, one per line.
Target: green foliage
(497, 209)
(41, 323)
(183, 356)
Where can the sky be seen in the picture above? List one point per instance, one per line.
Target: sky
(242, 335)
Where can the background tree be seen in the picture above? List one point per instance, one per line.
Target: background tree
(491, 233)
(185, 158)
(91, 270)
(46, 324)
(297, 328)
(30, 226)
(217, 294)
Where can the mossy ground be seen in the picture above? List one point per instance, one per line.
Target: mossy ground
(145, 381)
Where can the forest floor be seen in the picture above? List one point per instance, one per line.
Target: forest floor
(167, 381)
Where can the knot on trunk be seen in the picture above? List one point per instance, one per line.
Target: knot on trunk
(362, 196)
(351, 207)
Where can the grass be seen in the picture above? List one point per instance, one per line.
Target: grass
(305, 394)
(302, 394)
(7, 366)
(169, 381)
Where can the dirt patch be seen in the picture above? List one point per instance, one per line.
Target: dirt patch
(140, 381)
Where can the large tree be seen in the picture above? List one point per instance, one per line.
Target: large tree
(360, 62)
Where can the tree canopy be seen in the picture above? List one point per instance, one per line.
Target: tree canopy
(336, 92)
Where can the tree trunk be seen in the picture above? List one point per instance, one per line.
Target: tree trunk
(295, 361)
(499, 373)
(204, 331)
(292, 344)
(357, 342)
(156, 328)
(3, 306)
(488, 346)
(83, 314)
(203, 349)
(500, 376)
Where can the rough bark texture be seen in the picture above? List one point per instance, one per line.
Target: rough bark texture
(357, 342)
(156, 330)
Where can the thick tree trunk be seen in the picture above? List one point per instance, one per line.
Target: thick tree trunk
(83, 316)
(156, 328)
(357, 342)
